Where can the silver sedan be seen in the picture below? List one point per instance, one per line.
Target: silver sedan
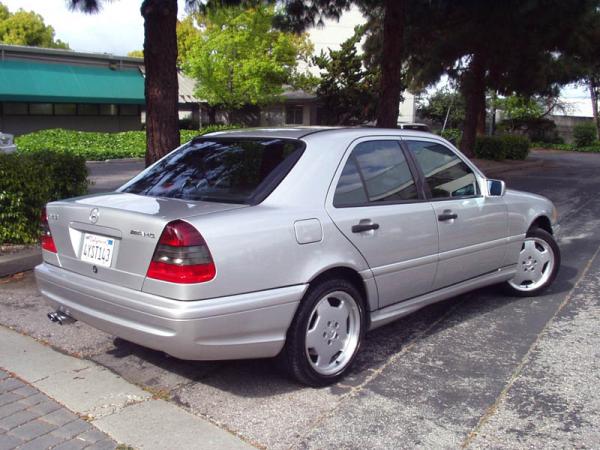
(290, 243)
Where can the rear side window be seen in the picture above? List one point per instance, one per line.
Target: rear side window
(446, 175)
(220, 170)
(375, 172)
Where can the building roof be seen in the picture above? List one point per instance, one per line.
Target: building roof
(58, 75)
(27, 81)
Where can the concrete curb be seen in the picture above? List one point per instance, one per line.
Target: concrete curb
(20, 261)
(122, 410)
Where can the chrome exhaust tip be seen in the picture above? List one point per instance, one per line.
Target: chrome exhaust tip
(60, 318)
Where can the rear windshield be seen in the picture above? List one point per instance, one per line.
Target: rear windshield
(240, 170)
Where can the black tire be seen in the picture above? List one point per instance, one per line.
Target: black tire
(549, 239)
(294, 358)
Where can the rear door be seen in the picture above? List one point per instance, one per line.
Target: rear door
(378, 205)
(472, 227)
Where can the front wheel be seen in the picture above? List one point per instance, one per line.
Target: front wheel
(539, 261)
(326, 333)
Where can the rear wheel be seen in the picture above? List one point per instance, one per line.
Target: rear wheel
(539, 261)
(326, 333)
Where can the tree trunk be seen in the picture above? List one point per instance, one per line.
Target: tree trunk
(473, 88)
(390, 87)
(161, 88)
(481, 116)
(594, 97)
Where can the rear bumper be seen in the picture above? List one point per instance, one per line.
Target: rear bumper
(252, 325)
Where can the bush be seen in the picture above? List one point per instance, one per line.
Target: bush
(97, 146)
(537, 129)
(28, 182)
(594, 148)
(452, 134)
(490, 147)
(507, 146)
(584, 134)
(515, 146)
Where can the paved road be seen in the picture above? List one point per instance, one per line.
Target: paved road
(481, 370)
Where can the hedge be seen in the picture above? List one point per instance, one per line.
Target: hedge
(584, 134)
(97, 146)
(28, 182)
(594, 148)
(502, 147)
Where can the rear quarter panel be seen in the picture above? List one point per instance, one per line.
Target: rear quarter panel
(256, 249)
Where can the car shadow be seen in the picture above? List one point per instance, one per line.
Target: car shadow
(262, 378)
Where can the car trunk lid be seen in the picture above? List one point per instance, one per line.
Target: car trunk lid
(131, 223)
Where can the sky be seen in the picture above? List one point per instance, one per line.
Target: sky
(119, 29)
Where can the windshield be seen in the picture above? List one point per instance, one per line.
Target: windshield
(231, 170)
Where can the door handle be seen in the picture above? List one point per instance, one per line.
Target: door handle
(447, 215)
(364, 227)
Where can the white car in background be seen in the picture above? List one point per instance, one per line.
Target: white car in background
(7, 144)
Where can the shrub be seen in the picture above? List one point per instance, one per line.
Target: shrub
(490, 147)
(452, 134)
(515, 146)
(97, 146)
(584, 134)
(507, 146)
(29, 181)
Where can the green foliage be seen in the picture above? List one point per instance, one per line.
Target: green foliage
(489, 147)
(452, 134)
(26, 28)
(594, 148)
(347, 91)
(241, 59)
(187, 36)
(29, 181)
(518, 107)
(537, 129)
(515, 146)
(136, 54)
(436, 107)
(584, 134)
(502, 147)
(96, 146)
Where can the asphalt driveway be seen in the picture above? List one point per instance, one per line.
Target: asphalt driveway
(479, 370)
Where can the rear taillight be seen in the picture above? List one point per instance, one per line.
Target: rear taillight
(46, 236)
(181, 256)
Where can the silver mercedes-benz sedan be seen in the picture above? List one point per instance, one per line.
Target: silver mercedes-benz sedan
(290, 243)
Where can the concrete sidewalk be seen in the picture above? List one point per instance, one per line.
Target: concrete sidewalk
(126, 413)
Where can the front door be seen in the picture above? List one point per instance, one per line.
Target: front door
(472, 227)
(380, 208)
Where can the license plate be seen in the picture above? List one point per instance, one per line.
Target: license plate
(97, 249)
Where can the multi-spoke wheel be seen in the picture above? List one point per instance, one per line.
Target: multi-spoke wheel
(538, 264)
(325, 334)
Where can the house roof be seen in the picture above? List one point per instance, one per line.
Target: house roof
(28, 81)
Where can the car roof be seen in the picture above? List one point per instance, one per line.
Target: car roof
(301, 132)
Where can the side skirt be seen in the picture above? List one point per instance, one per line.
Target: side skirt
(390, 313)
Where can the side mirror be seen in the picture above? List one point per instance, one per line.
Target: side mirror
(496, 188)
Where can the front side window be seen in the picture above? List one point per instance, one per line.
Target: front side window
(375, 172)
(446, 175)
(220, 170)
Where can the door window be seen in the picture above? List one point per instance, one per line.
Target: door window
(375, 172)
(446, 175)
